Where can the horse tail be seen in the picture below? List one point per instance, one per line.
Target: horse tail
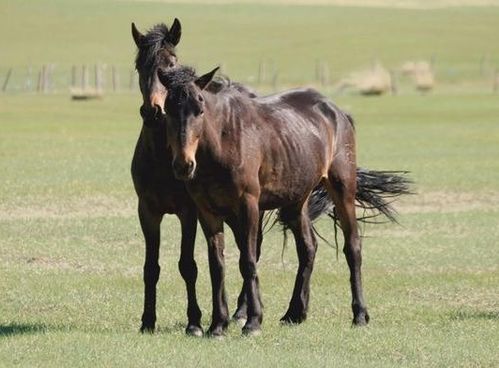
(376, 192)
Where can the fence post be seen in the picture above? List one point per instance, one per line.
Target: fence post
(261, 72)
(274, 80)
(97, 77)
(495, 86)
(6, 81)
(29, 83)
(84, 78)
(324, 74)
(114, 78)
(393, 83)
(73, 76)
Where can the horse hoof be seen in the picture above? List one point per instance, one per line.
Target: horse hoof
(147, 330)
(290, 319)
(362, 319)
(251, 332)
(194, 331)
(216, 335)
(241, 321)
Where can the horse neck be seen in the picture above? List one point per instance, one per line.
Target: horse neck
(153, 141)
(213, 124)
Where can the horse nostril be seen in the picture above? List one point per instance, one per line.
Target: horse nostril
(158, 111)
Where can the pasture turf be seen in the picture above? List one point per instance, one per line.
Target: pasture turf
(72, 252)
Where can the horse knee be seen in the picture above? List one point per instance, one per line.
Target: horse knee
(188, 269)
(247, 269)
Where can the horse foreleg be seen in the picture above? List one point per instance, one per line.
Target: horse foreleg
(150, 224)
(188, 269)
(241, 313)
(213, 229)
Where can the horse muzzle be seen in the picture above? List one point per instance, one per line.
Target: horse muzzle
(184, 170)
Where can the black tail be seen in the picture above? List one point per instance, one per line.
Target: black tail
(376, 191)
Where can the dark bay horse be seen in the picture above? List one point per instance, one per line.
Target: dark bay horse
(240, 155)
(159, 192)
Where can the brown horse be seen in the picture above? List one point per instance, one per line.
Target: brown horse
(159, 192)
(240, 155)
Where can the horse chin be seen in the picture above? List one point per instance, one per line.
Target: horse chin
(185, 176)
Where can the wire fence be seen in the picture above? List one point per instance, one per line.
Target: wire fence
(100, 78)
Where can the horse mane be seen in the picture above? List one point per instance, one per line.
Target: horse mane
(182, 75)
(157, 38)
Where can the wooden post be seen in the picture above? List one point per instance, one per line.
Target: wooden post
(49, 80)
(73, 76)
(324, 74)
(29, 82)
(44, 79)
(393, 83)
(6, 80)
(97, 77)
(114, 78)
(318, 71)
(261, 72)
(84, 78)
(274, 80)
(495, 86)
(39, 84)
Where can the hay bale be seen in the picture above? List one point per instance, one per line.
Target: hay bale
(421, 73)
(79, 94)
(374, 81)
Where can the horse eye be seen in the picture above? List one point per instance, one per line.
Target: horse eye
(171, 65)
(200, 98)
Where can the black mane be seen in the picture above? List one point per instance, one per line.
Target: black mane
(180, 76)
(157, 38)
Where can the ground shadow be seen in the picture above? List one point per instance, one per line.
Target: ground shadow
(21, 329)
(463, 315)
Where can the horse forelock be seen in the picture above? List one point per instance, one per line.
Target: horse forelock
(155, 40)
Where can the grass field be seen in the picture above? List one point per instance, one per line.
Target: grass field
(71, 250)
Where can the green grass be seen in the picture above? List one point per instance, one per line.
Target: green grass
(72, 250)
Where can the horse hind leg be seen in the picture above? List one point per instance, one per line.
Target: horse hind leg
(241, 314)
(342, 189)
(306, 247)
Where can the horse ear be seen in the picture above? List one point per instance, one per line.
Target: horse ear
(175, 32)
(137, 36)
(204, 80)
